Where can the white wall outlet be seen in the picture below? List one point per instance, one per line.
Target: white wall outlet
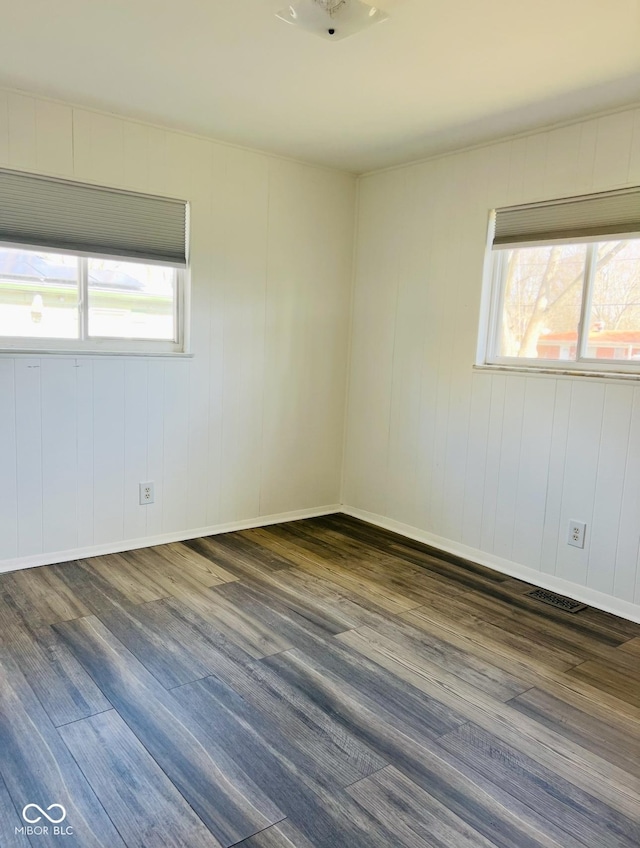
(577, 532)
(147, 493)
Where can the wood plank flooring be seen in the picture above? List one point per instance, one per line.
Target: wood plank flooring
(317, 684)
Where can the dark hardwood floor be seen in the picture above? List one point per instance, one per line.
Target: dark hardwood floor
(318, 684)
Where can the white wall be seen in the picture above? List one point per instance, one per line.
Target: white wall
(489, 465)
(252, 426)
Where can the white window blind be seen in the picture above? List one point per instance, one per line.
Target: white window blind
(570, 219)
(85, 219)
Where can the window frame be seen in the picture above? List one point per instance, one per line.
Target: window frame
(492, 315)
(92, 345)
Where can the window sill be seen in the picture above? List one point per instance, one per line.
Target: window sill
(562, 373)
(10, 353)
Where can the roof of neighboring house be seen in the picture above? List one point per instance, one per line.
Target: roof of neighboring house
(606, 337)
(39, 268)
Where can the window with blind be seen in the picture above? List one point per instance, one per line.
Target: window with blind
(565, 285)
(90, 268)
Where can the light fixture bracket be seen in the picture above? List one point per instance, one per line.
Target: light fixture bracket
(332, 7)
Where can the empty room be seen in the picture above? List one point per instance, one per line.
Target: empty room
(320, 424)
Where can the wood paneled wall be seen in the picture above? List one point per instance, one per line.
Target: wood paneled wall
(253, 424)
(497, 463)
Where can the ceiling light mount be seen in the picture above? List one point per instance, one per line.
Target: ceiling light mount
(331, 7)
(332, 19)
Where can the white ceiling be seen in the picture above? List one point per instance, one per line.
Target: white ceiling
(437, 74)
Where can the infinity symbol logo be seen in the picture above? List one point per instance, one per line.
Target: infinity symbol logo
(44, 813)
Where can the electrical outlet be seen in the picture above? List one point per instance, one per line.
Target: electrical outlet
(577, 532)
(147, 494)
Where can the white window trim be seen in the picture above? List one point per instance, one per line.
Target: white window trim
(491, 321)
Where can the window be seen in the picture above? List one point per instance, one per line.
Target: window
(565, 285)
(53, 296)
(86, 268)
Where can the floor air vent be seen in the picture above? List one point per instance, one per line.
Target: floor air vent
(558, 601)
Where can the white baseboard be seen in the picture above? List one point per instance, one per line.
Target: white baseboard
(608, 603)
(584, 594)
(163, 539)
